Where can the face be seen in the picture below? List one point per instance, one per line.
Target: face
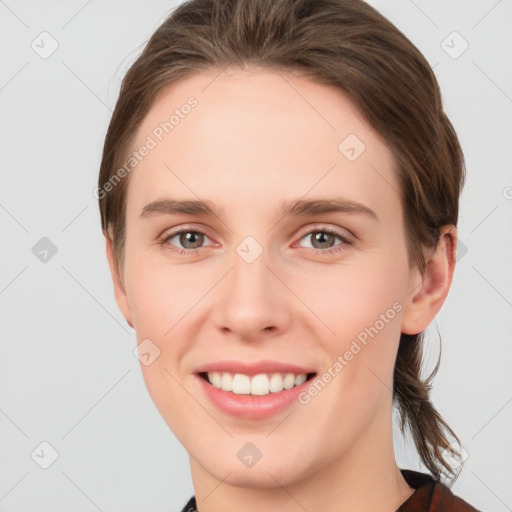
(300, 267)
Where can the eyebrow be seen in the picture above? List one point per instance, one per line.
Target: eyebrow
(297, 207)
(325, 205)
(175, 206)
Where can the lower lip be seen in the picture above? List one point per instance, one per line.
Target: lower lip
(252, 407)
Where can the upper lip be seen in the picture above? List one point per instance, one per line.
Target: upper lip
(253, 368)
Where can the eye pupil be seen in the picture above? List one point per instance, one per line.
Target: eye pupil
(191, 237)
(322, 237)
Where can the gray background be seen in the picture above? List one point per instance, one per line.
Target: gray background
(67, 373)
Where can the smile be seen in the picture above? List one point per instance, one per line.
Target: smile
(260, 384)
(253, 397)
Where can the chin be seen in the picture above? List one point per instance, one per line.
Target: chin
(278, 469)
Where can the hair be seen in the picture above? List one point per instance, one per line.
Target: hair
(346, 44)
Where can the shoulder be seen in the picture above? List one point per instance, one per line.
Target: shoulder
(444, 499)
(431, 495)
(190, 506)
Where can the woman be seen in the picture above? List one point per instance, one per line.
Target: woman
(279, 195)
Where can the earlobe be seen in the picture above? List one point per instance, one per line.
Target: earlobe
(428, 292)
(119, 287)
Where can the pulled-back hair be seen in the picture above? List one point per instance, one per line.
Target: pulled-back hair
(346, 44)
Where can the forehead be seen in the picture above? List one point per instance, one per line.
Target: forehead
(252, 131)
(258, 100)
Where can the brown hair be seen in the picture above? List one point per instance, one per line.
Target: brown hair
(345, 43)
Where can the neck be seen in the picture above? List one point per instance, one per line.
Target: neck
(363, 478)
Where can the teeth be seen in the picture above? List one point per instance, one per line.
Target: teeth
(261, 384)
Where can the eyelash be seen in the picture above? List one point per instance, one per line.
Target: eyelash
(321, 229)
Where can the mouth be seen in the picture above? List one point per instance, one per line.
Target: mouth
(258, 385)
(256, 394)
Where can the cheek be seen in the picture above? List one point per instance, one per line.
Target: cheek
(365, 314)
(161, 294)
(352, 298)
(362, 307)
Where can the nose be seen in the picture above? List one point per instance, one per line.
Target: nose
(251, 301)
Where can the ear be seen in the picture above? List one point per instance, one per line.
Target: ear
(428, 292)
(119, 289)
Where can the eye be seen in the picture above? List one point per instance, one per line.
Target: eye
(189, 239)
(322, 240)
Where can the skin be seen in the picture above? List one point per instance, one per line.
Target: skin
(256, 138)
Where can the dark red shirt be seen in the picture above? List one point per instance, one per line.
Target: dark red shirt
(429, 496)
